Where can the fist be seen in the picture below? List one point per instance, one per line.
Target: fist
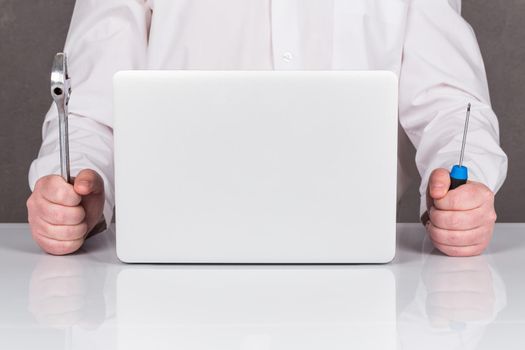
(461, 221)
(62, 214)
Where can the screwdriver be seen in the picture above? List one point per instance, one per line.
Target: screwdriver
(459, 173)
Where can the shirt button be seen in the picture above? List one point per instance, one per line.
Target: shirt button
(287, 57)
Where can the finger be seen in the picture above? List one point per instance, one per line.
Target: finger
(56, 214)
(469, 196)
(479, 235)
(88, 182)
(454, 251)
(461, 220)
(54, 247)
(439, 183)
(54, 189)
(61, 232)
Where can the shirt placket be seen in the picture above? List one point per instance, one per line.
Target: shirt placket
(286, 34)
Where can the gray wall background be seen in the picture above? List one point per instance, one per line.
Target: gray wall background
(31, 32)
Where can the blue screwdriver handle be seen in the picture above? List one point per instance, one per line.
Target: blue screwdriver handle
(458, 176)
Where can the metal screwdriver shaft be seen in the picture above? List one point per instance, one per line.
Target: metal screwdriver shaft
(459, 173)
(465, 130)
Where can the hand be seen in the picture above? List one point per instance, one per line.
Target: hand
(461, 221)
(61, 215)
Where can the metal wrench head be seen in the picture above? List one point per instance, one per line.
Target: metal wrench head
(60, 81)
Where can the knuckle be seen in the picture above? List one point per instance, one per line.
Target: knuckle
(29, 201)
(433, 214)
(47, 181)
(79, 214)
(44, 230)
(493, 216)
(83, 227)
(433, 231)
(77, 231)
(40, 231)
(41, 182)
(437, 218)
(488, 195)
(429, 227)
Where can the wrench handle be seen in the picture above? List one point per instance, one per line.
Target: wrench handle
(64, 143)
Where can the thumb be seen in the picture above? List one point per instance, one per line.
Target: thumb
(439, 183)
(88, 182)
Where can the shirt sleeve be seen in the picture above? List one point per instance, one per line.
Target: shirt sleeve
(105, 36)
(443, 71)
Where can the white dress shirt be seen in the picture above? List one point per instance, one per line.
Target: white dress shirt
(426, 43)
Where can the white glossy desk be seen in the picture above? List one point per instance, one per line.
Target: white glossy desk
(423, 300)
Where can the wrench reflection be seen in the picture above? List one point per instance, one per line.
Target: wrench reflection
(63, 292)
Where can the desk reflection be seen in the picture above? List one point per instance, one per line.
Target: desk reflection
(256, 308)
(456, 299)
(76, 295)
(64, 292)
(91, 301)
(115, 306)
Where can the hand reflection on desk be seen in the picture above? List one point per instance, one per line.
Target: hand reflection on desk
(458, 291)
(456, 299)
(64, 292)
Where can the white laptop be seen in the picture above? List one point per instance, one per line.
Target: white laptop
(255, 166)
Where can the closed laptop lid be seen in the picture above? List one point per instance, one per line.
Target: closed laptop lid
(255, 166)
